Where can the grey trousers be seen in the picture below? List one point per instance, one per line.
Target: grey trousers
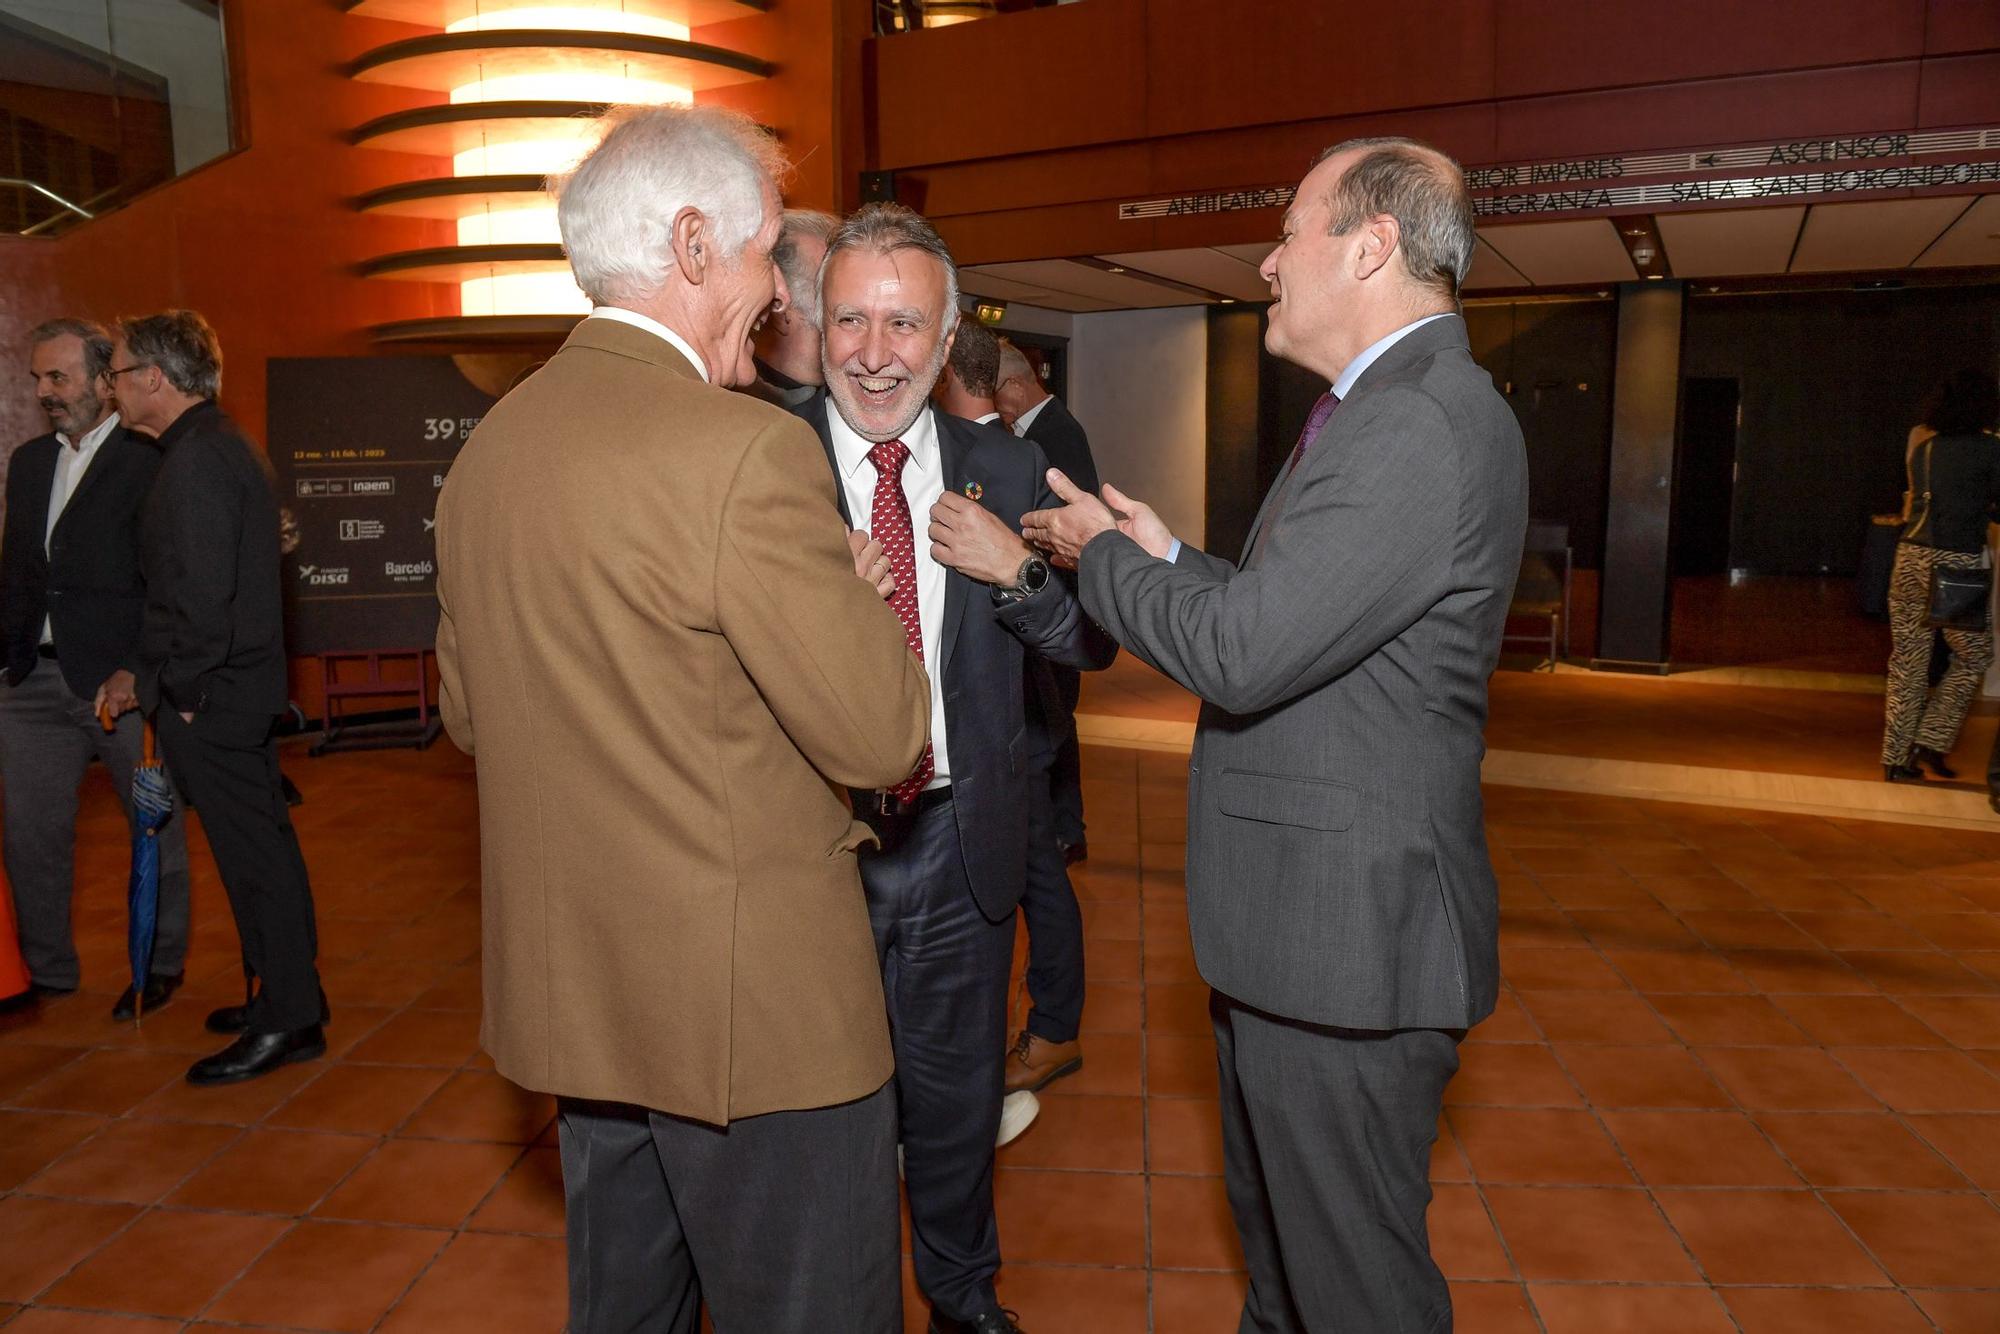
(1326, 1138)
(48, 737)
(782, 1224)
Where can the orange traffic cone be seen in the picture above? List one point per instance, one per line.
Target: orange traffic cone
(13, 969)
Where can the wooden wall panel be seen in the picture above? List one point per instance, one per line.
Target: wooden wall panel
(1691, 115)
(1549, 46)
(1047, 79)
(1961, 25)
(1277, 62)
(1961, 90)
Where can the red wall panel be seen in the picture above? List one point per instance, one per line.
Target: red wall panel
(1051, 78)
(1961, 90)
(1722, 111)
(1277, 62)
(1962, 25)
(1547, 46)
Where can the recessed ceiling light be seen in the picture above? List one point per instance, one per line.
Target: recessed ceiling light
(1229, 301)
(1114, 269)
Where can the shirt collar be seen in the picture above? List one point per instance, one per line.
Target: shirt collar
(658, 330)
(851, 449)
(1369, 356)
(91, 438)
(1026, 419)
(986, 419)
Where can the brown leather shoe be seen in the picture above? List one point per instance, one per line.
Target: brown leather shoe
(1034, 1063)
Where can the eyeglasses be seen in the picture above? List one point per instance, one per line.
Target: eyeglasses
(124, 370)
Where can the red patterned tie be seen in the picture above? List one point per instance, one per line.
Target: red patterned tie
(1314, 424)
(889, 524)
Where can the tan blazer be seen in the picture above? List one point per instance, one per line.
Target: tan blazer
(653, 642)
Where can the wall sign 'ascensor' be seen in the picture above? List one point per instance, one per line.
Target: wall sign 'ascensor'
(1707, 171)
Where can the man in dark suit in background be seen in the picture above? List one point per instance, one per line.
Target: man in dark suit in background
(212, 674)
(1341, 900)
(787, 342)
(975, 603)
(1033, 413)
(71, 599)
(1049, 1047)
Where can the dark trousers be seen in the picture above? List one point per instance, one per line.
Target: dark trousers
(48, 737)
(1066, 778)
(1055, 925)
(1326, 1138)
(782, 1224)
(944, 972)
(227, 765)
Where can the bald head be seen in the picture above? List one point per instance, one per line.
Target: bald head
(1423, 190)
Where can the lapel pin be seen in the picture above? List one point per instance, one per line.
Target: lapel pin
(974, 490)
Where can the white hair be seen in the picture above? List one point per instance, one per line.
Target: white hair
(617, 207)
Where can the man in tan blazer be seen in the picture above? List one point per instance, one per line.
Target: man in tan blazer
(653, 640)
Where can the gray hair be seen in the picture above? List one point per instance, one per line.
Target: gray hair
(1014, 362)
(617, 206)
(1423, 189)
(800, 280)
(885, 229)
(95, 337)
(181, 345)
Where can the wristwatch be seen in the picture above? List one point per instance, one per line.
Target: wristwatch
(1030, 579)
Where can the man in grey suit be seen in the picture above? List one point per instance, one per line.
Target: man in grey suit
(1341, 900)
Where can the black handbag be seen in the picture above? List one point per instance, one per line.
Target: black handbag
(1960, 596)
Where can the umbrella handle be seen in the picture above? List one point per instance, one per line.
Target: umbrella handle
(105, 721)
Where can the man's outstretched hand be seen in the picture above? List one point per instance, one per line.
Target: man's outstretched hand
(1065, 532)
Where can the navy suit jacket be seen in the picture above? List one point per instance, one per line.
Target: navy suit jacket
(86, 580)
(983, 655)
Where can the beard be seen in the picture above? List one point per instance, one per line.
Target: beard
(75, 414)
(917, 387)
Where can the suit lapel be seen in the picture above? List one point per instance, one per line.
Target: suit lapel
(814, 413)
(957, 449)
(1414, 346)
(39, 468)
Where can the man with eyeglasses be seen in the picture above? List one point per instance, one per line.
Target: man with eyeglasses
(211, 672)
(71, 599)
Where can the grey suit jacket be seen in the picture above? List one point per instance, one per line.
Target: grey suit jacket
(1337, 868)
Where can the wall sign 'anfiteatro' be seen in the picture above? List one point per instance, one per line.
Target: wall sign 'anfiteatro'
(1496, 189)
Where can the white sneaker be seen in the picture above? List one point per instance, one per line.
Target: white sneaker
(1017, 1112)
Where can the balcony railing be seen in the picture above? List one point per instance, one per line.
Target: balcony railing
(101, 99)
(893, 16)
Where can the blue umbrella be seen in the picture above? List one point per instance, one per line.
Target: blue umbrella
(152, 807)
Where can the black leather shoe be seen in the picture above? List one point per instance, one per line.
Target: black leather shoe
(34, 995)
(160, 989)
(236, 1018)
(995, 1321)
(1902, 773)
(1923, 757)
(256, 1054)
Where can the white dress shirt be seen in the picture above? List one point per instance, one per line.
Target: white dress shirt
(1027, 419)
(73, 459)
(923, 483)
(986, 419)
(658, 330)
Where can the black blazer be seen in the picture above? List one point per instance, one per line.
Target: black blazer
(1062, 438)
(1053, 690)
(983, 655)
(213, 636)
(86, 581)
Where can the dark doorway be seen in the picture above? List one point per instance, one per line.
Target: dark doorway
(1705, 476)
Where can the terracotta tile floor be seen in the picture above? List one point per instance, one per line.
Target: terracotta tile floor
(1745, 1076)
